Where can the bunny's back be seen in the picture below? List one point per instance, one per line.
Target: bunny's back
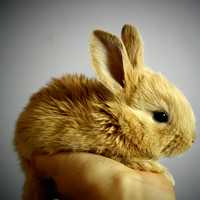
(77, 89)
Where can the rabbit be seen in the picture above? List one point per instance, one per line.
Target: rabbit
(129, 113)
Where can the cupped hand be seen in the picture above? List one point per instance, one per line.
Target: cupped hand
(90, 176)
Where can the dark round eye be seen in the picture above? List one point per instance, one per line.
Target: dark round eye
(160, 116)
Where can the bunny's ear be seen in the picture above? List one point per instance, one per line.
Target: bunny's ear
(108, 59)
(133, 43)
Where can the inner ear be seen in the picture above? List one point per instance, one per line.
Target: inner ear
(114, 60)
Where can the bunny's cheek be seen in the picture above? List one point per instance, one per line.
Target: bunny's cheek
(150, 147)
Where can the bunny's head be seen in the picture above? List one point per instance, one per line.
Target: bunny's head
(152, 112)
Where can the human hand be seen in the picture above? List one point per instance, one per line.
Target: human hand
(90, 176)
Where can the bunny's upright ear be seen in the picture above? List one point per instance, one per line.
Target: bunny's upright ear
(133, 43)
(108, 59)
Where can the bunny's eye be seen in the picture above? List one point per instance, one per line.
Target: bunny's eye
(160, 116)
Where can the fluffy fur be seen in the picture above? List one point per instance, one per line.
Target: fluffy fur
(111, 116)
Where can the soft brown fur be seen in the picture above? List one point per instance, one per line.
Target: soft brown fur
(111, 116)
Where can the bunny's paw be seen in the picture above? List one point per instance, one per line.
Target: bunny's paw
(152, 166)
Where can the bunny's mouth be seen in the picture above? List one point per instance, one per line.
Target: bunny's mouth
(176, 146)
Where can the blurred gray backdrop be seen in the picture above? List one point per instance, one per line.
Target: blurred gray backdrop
(43, 39)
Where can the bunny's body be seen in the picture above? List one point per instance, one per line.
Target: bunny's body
(73, 109)
(131, 114)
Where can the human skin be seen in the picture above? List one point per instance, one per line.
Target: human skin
(90, 176)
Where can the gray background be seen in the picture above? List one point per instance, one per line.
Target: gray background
(42, 39)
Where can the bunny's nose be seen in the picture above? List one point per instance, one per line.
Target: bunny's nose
(193, 141)
(194, 137)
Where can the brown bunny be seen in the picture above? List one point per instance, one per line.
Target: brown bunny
(130, 114)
